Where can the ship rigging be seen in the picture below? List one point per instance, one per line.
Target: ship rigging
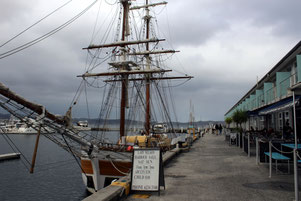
(136, 84)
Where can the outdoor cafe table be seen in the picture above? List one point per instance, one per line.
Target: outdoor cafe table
(292, 146)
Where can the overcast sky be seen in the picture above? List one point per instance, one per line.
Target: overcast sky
(224, 44)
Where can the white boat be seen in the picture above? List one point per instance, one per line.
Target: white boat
(82, 126)
(2, 127)
(160, 128)
(16, 126)
(19, 128)
(83, 123)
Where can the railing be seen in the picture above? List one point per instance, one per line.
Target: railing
(253, 104)
(260, 100)
(270, 95)
(285, 84)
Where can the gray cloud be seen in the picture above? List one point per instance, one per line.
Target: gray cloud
(224, 44)
(197, 22)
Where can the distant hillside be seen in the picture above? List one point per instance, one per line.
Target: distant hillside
(101, 121)
(116, 121)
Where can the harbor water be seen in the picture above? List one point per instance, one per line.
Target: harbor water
(57, 175)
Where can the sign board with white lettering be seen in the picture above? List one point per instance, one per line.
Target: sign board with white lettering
(147, 170)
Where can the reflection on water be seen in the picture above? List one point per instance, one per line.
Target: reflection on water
(57, 175)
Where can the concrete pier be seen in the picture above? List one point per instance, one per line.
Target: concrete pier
(213, 170)
(9, 156)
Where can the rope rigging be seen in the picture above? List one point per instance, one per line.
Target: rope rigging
(31, 26)
(75, 139)
(43, 37)
(76, 142)
(93, 63)
(16, 149)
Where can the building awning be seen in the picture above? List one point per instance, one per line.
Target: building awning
(252, 113)
(280, 105)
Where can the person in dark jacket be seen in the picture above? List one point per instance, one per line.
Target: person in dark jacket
(287, 130)
(220, 128)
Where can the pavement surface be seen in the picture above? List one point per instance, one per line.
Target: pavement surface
(213, 170)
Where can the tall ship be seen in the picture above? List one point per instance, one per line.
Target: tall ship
(136, 87)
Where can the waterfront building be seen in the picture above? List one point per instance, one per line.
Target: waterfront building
(269, 103)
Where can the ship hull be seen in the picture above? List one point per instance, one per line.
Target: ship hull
(99, 173)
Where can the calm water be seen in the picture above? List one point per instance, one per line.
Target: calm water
(57, 175)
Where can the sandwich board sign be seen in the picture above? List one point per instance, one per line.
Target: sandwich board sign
(147, 170)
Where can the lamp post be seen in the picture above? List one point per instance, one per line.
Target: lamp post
(296, 180)
(295, 152)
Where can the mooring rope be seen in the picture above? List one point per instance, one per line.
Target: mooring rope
(116, 167)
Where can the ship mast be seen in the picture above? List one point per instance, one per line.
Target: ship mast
(124, 67)
(124, 78)
(147, 95)
(147, 53)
